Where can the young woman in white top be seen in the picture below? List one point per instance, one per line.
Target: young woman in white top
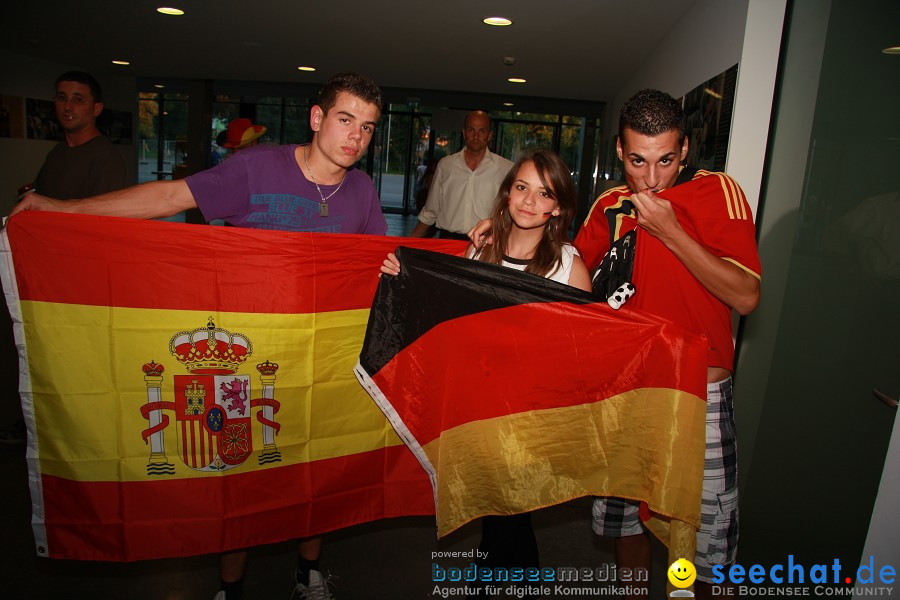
(535, 206)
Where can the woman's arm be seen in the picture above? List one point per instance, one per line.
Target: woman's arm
(579, 277)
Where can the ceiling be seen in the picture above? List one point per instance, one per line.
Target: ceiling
(572, 49)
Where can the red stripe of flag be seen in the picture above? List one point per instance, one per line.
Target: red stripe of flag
(250, 271)
(165, 519)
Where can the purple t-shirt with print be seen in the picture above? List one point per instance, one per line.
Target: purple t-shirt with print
(263, 188)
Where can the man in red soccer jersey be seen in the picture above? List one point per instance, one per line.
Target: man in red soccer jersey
(695, 261)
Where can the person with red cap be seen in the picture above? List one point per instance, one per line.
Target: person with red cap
(241, 133)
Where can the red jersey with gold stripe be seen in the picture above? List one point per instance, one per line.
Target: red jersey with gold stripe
(712, 209)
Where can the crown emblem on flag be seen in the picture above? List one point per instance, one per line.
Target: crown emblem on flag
(210, 349)
(267, 368)
(214, 405)
(153, 369)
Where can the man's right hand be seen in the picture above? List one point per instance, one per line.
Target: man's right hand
(34, 201)
(481, 234)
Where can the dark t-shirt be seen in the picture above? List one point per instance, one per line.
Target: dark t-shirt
(95, 167)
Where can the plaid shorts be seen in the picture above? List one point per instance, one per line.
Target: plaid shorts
(718, 536)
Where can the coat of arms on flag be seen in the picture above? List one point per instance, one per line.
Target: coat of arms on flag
(212, 404)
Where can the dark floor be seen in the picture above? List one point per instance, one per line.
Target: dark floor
(389, 560)
(400, 225)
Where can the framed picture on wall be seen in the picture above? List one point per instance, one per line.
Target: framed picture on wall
(708, 108)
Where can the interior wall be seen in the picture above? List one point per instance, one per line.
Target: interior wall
(705, 42)
(28, 77)
(757, 72)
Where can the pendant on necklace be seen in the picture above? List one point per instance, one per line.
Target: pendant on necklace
(323, 209)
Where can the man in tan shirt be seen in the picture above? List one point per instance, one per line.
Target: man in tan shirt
(465, 184)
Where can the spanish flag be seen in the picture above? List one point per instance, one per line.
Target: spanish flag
(190, 389)
(516, 393)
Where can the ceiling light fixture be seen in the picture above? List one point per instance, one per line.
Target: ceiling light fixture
(121, 62)
(516, 80)
(892, 50)
(307, 69)
(508, 104)
(158, 85)
(166, 10)
(497, 21)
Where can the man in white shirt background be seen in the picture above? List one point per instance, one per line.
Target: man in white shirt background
(465, 184)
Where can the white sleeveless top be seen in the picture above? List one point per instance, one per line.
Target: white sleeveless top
(562, 272)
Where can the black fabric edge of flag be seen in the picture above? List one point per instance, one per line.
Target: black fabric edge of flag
(405, 306)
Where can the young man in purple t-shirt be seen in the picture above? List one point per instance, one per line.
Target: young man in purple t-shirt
(292, 188)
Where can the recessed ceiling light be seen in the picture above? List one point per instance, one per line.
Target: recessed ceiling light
(121, 62)
(308, 69)
(508, 104)
(497, 21)
(516, 80)
(892, 50)
(170, 11)
(158, 85)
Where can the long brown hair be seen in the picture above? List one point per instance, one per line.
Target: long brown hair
(557, 180)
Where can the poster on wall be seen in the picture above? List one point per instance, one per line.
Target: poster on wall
(116, 125)
(707, 109)
(40, 116)
(12, 117)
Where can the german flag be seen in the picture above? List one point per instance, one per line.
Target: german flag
(190, 389)
(516, 393)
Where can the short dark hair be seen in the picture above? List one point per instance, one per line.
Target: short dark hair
(652, 113)
(83, 78)
(353, 83)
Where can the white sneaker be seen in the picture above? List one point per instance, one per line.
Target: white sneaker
(316, 590)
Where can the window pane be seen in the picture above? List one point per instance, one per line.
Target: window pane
(570, 146)
(447, 142)
(269, 116)
(222, 114)
(175, 136)
(520, 116)
(148, 123)
(296, 123)
(516, 138)
(394, 165)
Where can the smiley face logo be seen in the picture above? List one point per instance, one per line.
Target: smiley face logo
(682, 573)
